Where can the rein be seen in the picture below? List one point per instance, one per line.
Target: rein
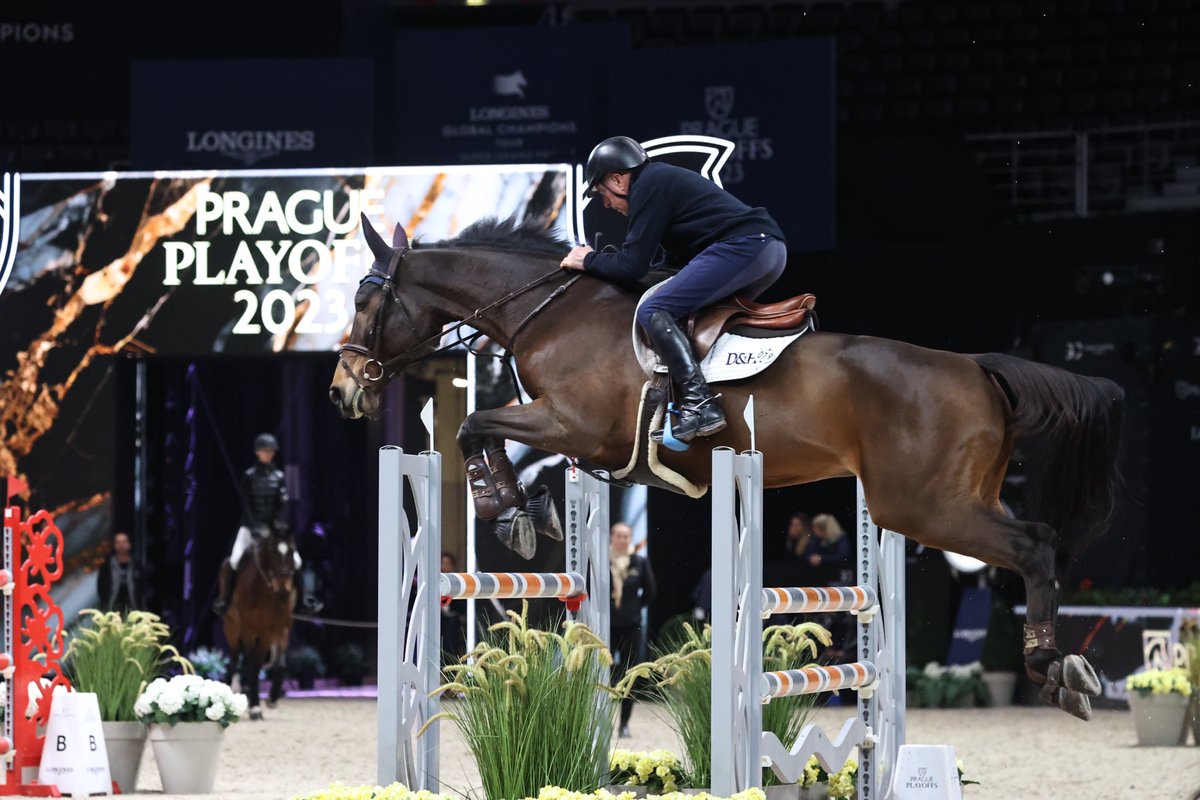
(375, 370)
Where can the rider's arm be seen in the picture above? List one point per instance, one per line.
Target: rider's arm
(281, 507)
(649, 587)
(648, 217)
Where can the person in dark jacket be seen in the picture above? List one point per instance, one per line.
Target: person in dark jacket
(829, 559)
(263, 492)
(723, 246)
(632, 590)
(121, 582)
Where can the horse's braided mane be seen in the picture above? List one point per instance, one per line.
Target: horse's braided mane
(528, 235)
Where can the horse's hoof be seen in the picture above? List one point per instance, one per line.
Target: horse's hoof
(272, 703)
(1075, 704)
(1078, 675)
(515, 531)
(544, 513)
(255, 713)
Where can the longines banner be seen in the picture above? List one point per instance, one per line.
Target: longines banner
(253, 113)
(773, 100)
(502, 95)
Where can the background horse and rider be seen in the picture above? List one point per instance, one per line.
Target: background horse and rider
(258, 622)
(928, 432)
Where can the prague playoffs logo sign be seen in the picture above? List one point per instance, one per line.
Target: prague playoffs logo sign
(707, 155)
(723, 123)
(10, 224)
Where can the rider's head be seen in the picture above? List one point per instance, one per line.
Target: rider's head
(608, 170)
(265, 446)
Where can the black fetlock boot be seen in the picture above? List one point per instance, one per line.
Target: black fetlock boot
(225, 583)
(699, 414)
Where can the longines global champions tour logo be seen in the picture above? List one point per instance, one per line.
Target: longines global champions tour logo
(10, 223)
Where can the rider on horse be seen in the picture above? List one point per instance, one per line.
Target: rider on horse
(723, 246)
(264, 497)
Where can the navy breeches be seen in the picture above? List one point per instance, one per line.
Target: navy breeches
(745, 265)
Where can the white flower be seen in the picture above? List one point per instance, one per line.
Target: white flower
(152, 691)
(170, 701)
(143, 707)
(239, 704)
(215, 712)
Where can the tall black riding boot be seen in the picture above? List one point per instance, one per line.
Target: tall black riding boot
(699, 413)
(308, 592)
(225, 585)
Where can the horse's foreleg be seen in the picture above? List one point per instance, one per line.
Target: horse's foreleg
(490, 474)
(251, 663)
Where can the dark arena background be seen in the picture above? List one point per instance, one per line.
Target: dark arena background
(1020, 176)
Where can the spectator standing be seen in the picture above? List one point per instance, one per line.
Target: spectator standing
(121, 582)
(632, 590)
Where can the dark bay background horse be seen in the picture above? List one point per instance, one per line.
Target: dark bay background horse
(928, 432)
(258, 623)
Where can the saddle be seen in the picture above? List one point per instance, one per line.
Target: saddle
(705, 326)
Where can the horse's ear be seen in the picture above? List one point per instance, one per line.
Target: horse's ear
(378, 246)
(400, 238)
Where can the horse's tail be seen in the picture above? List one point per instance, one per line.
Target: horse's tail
(1072, 425)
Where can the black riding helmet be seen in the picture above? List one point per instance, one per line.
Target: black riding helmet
(615, 154)
(266, 441)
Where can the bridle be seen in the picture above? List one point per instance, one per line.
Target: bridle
(375, 370)
(269, 575)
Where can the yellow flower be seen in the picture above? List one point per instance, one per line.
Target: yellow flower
(1160, 682)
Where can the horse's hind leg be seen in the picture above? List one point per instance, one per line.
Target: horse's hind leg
(1027, 548)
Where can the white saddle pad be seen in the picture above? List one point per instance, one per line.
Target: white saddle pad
(731, 358)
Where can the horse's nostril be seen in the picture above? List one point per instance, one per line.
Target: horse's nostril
(335, 395)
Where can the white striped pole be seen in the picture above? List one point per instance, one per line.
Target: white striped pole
(510, 585)
(810, 680)
(817, 600)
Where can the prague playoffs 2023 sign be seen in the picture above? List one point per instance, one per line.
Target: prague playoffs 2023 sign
(234, 262)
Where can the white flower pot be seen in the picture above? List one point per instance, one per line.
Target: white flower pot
(1195, 713)
(124, 742)
(187, 754)
(1002, 686)
(1160, 718)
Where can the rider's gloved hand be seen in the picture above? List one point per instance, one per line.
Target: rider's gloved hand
(574, 259)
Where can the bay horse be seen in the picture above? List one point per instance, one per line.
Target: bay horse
(258, 623)
(928, 432)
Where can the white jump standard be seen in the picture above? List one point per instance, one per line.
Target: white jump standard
(412, 585)
(740, 748)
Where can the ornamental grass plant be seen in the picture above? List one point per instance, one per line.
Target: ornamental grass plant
(534, 708)
(681, 678)
(116, 656)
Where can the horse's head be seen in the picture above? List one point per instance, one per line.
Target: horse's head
(389, 332)
(276, 560)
